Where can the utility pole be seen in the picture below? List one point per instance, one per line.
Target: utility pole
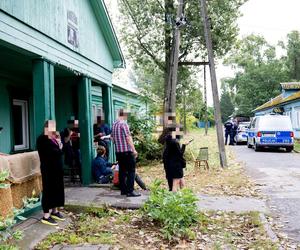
(205, 100)
(214, 86)
(170, 103)
(184, 112)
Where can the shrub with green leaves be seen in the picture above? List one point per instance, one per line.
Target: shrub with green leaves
(142, 129)
(174, 212)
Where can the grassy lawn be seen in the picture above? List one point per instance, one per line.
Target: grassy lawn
(216, 181)
(126, 229)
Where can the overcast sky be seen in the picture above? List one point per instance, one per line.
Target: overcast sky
(272, 19)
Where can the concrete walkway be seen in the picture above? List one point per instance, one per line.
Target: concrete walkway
(100, 196)
(35, 231)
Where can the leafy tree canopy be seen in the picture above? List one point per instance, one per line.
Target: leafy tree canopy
(258, 73)
(147, 30)
(292, 58)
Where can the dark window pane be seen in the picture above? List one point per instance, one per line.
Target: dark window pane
(18, 124)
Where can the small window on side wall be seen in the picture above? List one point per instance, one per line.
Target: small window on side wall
(20, 124)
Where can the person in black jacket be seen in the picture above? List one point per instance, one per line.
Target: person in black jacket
(173, 158)
(49, 147)
(228, 130)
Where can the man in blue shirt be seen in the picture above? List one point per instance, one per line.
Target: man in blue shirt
(102, 134)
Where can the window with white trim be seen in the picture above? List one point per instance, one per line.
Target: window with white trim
(20, 124)
(97, 111)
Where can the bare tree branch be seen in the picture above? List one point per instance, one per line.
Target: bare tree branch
(159, 3)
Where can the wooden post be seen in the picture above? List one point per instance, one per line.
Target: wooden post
(217, 109)
(170, 103)
(205, 101)
(43, 95)
(108, 113)
(85, 125)
(184, 112)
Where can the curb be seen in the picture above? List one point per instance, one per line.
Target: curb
(269, 231)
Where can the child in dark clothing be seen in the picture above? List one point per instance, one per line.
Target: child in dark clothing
(102, 169)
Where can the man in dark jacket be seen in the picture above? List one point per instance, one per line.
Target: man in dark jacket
(233, 132)
(102, 134)
(228, 129)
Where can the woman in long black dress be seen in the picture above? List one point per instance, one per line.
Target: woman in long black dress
(50, 152)
(173, 159)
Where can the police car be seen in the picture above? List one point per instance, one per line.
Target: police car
(272, 131)
(242, 132)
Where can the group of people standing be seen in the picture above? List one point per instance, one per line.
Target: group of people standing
(231, 128)
(52, 145)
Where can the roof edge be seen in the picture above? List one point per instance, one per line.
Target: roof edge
(109, 33)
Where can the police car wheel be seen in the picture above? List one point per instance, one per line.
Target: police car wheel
(255, 147)
(288, 149)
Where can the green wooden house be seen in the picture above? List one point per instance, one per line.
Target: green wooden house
(56, 62)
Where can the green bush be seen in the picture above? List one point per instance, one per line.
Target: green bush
(142, 129)
(174, 212)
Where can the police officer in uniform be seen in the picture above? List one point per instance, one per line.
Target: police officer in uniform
(228, 128)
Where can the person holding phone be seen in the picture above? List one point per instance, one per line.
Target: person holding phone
(173, 156)
(49, 148)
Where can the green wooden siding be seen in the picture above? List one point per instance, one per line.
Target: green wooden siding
(5, 135)
(50, 18)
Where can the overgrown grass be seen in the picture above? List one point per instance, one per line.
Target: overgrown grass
(175, 212)
(126, 229)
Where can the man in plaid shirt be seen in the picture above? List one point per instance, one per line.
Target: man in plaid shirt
(126, 154)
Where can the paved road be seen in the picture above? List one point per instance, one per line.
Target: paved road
(279, 174)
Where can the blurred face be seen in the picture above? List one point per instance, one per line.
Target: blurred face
(124, 115)
(76, 123)
(170, 119)
(177, 133)
(50, 128)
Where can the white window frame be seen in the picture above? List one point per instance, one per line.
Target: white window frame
(94, 113)
(97, 110)
(25, 124)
